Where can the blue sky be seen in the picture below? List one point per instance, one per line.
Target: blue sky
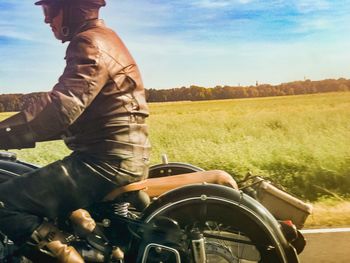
(183, 42)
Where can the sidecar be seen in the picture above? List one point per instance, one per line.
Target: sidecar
(229, 220)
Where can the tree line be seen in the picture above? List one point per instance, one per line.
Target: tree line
(195, 93)
(16, 102)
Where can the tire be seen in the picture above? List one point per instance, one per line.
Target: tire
(232, 231)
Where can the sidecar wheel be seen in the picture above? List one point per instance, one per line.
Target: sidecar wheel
(232, 233)
(224, 242)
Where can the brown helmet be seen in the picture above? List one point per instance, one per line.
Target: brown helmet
(73, 13)
(97, 3)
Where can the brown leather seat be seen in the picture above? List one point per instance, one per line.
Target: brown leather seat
(157, 186)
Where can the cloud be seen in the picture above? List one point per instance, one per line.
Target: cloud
(312, 25)
(219, 3)
(21, 21)
(10, 33)
(184, 42)
(307, 6)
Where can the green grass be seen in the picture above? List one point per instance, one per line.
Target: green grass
(329, 213)
(302, 142)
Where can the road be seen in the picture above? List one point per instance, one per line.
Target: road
(327, 246)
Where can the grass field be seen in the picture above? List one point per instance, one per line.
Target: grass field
(329, 213)
(301, 142)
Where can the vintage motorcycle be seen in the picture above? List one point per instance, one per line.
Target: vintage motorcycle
(180, 214)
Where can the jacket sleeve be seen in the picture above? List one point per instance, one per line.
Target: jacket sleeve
(84, 76)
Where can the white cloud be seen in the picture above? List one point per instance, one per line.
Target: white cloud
(204, 42)
(219, 3)
(10, 33)
(21, 21)
(307, 6)
(311, 25)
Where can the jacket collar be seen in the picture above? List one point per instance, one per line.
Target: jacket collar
(89, 24)
(86, 25)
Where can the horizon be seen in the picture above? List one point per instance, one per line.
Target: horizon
(218, 85)
(257, 85)
(197, 42)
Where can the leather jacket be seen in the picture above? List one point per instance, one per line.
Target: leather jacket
(98, 105)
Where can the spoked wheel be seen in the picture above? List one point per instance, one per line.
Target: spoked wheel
(224, 245)
(230, 232)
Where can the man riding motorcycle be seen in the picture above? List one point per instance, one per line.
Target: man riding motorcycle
(98, 108)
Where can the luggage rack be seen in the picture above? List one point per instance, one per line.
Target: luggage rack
(281, 204)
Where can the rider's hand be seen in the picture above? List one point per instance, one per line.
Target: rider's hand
(16, 134)
(16, 138)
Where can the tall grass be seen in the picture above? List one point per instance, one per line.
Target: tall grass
(329, 213)
(301, 142)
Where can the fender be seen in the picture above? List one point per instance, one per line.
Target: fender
(173, 168)
(240, 202)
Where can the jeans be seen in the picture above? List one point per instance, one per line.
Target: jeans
(56, 190)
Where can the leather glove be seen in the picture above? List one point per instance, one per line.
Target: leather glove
(16, 134)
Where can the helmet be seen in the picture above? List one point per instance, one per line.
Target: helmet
(53, 6)
(97, 3)
(74, 12)
(46, 2)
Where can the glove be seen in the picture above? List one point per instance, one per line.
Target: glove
(16, 138)
(16, 134)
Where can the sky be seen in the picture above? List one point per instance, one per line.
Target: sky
(191, 42)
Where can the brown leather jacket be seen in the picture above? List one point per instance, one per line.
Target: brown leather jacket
(98, 105)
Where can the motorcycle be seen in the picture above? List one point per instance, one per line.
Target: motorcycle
(180, 214)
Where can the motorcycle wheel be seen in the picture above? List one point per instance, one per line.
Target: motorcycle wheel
(231, 234)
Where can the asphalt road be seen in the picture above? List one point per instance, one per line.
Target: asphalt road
(326, 246)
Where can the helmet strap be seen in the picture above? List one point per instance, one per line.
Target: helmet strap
(65, 28)
(65, 31)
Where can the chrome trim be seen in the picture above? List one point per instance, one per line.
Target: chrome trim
(151, 245)
(199, 254)
(6, 172)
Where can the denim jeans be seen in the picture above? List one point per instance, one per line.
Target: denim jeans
(56, 190)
